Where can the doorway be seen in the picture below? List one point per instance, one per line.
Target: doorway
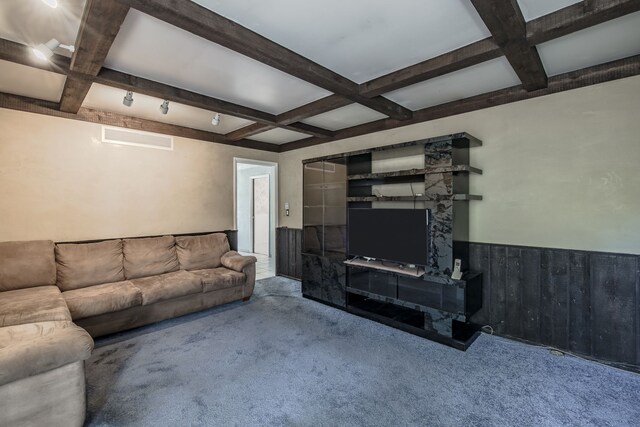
(260, 214)
(255, 211)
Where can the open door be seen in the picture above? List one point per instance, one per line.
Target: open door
(260, 214)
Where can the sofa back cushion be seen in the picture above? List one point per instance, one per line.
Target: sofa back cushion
(85, 264)
(199, 252)
(149, 256)
(27, 264)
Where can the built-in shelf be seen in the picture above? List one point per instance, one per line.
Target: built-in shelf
(423, 308)
(454, 169)
(379, 175)
(394, 268)
(454, 197)
(413, 172)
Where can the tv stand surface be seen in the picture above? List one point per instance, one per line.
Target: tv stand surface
(379, 265)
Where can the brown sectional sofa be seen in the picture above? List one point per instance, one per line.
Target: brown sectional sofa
(55, 298)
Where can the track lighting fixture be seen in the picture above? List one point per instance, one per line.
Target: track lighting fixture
(51, 3)
(45, 51)
(216, 119)
(128, 99)
(164, 108)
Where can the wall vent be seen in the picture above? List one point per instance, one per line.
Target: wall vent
(136, 138)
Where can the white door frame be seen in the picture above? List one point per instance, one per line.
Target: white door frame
(274, 200)
(253, 216)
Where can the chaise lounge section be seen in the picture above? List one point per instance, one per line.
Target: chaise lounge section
(55, 298)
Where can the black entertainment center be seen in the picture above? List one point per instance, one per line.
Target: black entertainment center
(382, 228)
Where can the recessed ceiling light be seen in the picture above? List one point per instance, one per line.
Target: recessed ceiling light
(164, 108)
(128, 99)
(51, 3)
(216, 119)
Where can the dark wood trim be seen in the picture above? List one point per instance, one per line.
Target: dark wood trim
(314, 108)
(249, 130)
(504, 20)
(73, 94)
(137, 84)
(577, 17)
(467, 56)
(38, 106)
(101, 21)
(614, 70)
(211, 26)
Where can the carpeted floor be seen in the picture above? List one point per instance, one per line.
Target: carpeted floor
(284, 360)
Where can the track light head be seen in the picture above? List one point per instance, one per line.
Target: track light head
(164, 108)
(45, 51)
(51, 3)
(216, 119)
(128, 99)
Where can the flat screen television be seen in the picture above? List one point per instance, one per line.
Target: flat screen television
(398, 235)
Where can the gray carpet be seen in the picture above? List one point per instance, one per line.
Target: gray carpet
(284, 360)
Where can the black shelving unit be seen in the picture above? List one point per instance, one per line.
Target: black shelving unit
(434, 305)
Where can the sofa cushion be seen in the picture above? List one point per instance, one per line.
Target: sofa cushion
(27, 264)
(101, 299)
(214, 279)
(167, 286)
(44, 303)
(85, 264)
(198, 252)
(27, 350)
(234, 261)
(149, 256)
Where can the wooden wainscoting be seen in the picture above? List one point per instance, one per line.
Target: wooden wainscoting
(583, 302)
(288, 252)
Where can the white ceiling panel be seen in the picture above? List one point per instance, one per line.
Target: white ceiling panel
(532, 9)
(32, 82)
(344, 117)
(606, 42)
(32, 22)
(158, 51)
(360, 39)
(488, 76)
(279, 136)
(147, 107)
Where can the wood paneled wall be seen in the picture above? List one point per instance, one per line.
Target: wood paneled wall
(288, 252)
(586, 303)
(583, 302)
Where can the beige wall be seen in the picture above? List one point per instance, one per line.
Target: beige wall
(560, 171)
(57, 181)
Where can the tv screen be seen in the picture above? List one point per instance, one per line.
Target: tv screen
(398, 235)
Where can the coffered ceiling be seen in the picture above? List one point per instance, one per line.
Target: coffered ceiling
(285, 74)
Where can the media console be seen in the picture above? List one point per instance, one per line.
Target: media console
(430, 174)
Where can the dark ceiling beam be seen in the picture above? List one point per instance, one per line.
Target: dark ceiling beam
(311, 109)
(207, 24)
(602, 73)
(160, 90)
(31, 105)
(101, 21)
(577, 17)
(504, 20)
(467, 56)
(77, 83)
(249, 130)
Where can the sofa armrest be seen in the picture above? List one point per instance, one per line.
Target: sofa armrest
(30, 349)
(234, 261)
